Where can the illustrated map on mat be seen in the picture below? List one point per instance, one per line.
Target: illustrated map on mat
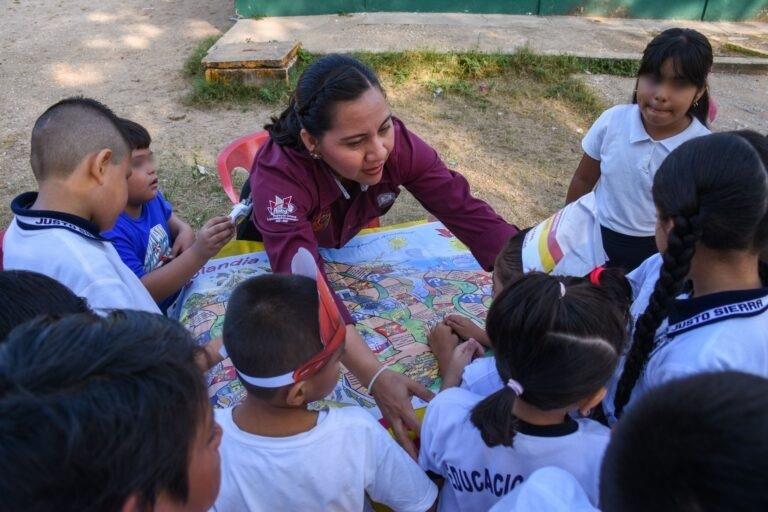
(395, 281)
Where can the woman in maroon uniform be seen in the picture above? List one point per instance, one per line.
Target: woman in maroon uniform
(335, 160)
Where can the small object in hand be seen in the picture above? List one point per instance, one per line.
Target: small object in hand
(241, 211)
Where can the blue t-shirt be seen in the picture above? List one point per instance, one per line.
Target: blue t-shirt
(144, 243)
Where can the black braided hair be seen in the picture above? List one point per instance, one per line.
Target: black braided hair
(715, 191)
(327, 81)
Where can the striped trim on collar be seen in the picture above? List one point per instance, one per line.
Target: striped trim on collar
(690, 314)
(31, 220)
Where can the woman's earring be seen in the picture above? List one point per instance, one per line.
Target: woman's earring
(315, 155)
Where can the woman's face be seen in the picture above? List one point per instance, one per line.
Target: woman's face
(360, 139)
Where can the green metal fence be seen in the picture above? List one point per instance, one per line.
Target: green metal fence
(708, 10)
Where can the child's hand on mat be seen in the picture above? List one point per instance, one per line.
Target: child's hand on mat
(184, 240)
(393, 392)
(461, 357)
(211, 355)
(466, 329)
(212, 237)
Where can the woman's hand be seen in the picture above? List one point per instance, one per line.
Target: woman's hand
(393, 392)
(466, 329)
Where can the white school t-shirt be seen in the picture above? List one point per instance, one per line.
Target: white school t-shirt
(629, 159)
(330, 467)
(548, 489)
(71, 250)
(477, 476)
(716, 332)
(481, 377)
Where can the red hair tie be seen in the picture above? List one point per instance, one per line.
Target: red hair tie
(594, 276)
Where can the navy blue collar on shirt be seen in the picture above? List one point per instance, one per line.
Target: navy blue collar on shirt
(569, 426)
(31, 220)
(688, 314)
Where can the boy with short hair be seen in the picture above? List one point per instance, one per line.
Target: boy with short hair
(158, 246)
(81, 162)
(277, 454)
(105, 415)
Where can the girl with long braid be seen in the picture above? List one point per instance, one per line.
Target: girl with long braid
(700, 305)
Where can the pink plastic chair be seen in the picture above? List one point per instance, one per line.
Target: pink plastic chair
(238, 153)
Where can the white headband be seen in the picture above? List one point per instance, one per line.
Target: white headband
(277, 381)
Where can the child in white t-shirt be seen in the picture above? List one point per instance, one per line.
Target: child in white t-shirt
(701, 305)
(278, 455)
(556, 344)
(562, 248)
(626, 145)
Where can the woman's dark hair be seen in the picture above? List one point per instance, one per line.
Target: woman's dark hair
(715, 191)
(326, 82)
(691, 56)
(697, 444)
(94, 410)
(25, 295)
(560, 348)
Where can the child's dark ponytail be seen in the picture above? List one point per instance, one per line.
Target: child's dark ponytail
(327, 81)
(714, 190)
(551, 348)
(692, 56)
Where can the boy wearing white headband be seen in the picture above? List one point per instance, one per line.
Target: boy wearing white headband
(285, 337)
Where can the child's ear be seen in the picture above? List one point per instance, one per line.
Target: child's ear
(309, 140)
(297, 395)
(592, 401)
(131, 504)
(98, 165)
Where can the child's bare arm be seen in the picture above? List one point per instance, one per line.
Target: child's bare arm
(466, 329)
(182, 233)
(584, 179)
(168, 279)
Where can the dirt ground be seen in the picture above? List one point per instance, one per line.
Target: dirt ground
(518, 153)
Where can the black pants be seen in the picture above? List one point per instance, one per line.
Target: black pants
(625, 251)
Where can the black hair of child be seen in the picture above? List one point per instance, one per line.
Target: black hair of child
(137, 136)
(715, 191)
(272, 327)
(25, 295)
(560, 348)
(508, 266)
(760, 143)
(692, 58)
(696, 444)
(326, 82)
(94, 410)
(70, 130)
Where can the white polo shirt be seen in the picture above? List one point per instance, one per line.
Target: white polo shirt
(629, 159)
(477, 476)
(481, 377)
(548, 489)
(332, 466)
(71, 250)
(716, 332)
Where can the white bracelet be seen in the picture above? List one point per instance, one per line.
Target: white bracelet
(376, 376)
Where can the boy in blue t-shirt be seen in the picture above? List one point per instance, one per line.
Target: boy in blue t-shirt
(159, 247)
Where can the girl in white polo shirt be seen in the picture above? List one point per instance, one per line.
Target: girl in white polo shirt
(557, 341)
(701, 304)
(626, 145)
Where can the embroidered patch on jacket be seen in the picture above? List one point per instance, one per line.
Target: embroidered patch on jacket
(385, 199)
(321, 220)
(281, 210)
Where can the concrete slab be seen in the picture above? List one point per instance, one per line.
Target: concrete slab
(271, 54)
(588, 36)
